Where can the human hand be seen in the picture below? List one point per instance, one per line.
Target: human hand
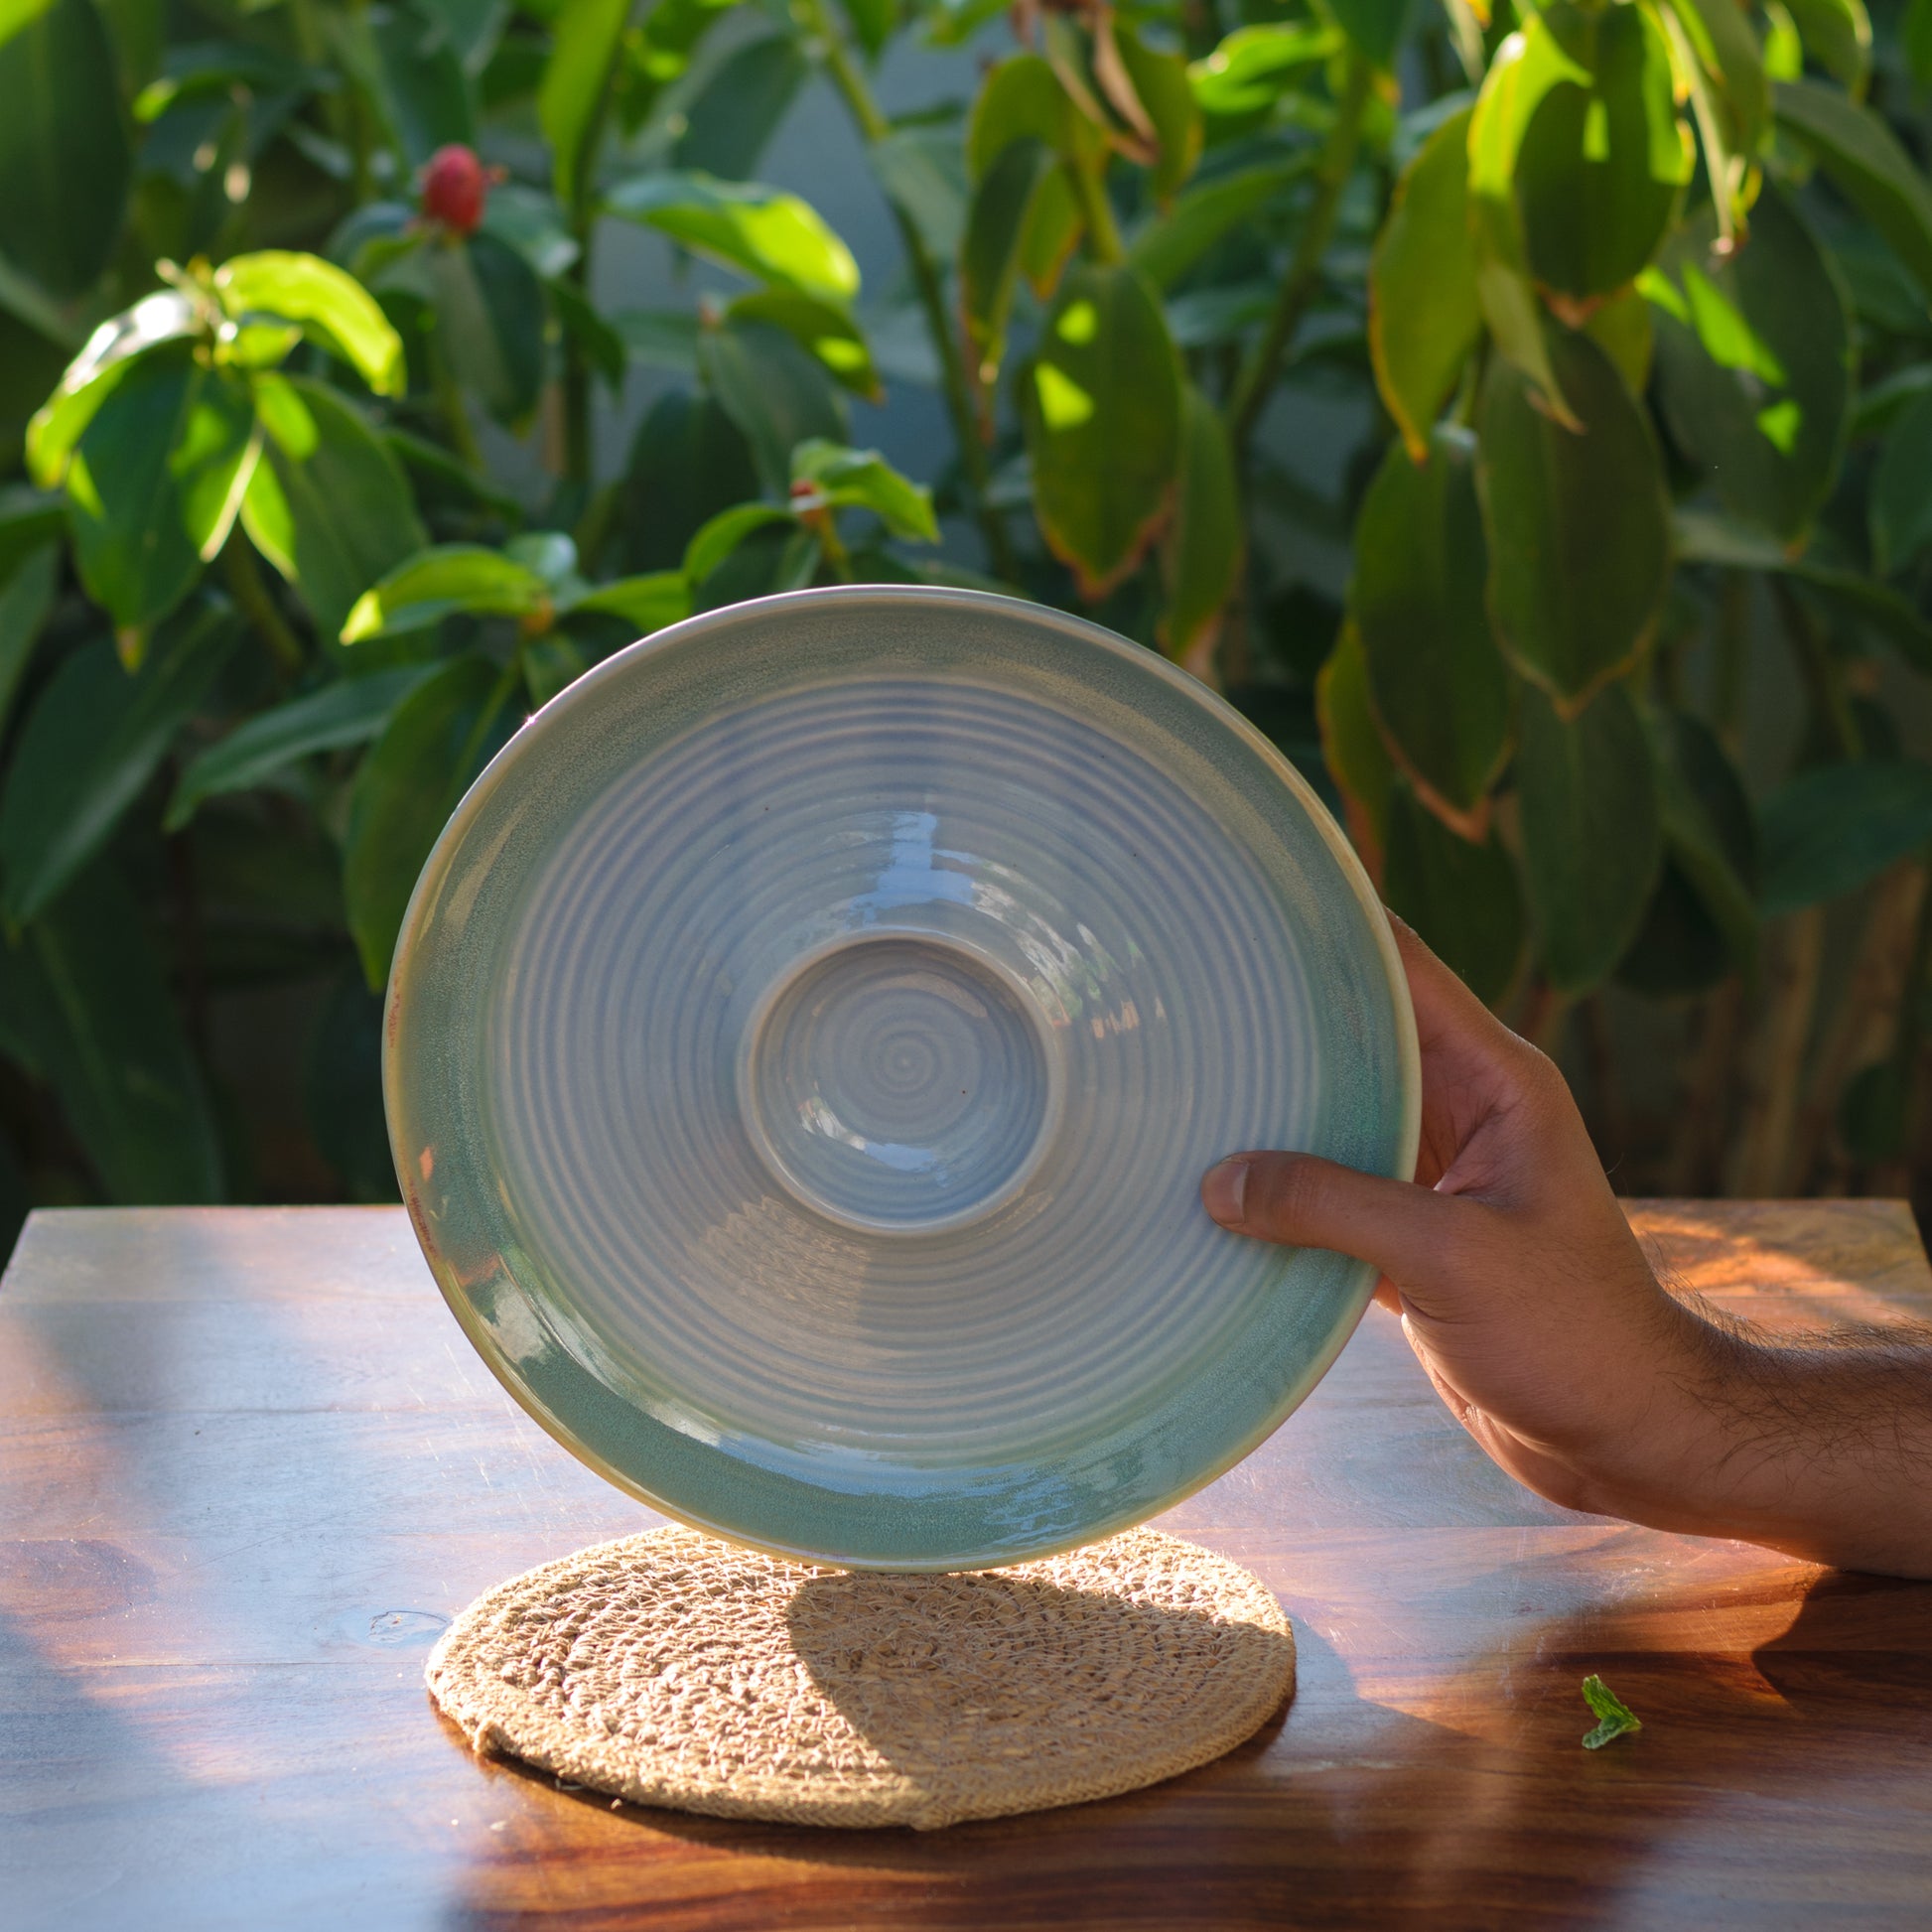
(1533, 1309)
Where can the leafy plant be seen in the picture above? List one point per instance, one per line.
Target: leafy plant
(1524, 415)
(1614, 1717)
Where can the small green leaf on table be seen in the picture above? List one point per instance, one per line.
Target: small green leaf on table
(1613, 1716)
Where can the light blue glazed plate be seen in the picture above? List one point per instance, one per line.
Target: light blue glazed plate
(805, 1047)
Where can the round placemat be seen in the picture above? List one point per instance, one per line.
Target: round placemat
(672, 1669)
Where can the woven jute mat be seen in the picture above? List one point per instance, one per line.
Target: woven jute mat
(672, 1669)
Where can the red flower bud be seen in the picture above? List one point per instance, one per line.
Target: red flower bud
(455, 188)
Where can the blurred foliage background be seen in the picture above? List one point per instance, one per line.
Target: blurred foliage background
(1524, 416)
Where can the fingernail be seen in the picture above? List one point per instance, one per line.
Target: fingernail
(1225, 1193)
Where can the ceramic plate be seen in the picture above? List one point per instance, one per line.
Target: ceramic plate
(805, 1047)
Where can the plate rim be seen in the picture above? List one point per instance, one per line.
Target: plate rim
(1141, 659)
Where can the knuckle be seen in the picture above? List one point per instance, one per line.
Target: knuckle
(1289, 1194)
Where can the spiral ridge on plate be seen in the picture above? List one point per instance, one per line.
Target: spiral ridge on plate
(802, 1073)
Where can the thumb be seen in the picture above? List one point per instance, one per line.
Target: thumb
(1307, 1202)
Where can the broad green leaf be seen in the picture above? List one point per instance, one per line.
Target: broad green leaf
(1020, 97)
(1915, 40)
(1754, 362)
(1866, 163)
(64, 152)
(16, 14)
(533, 224)
(61, 421)
(1836, 827)
(767, 235)
(1587, 799)
(839, 479)
(1172, 243)
(1901, 490)
(29, 519)
(1579, 524)
(327, 505)
(1437, 682)
(1424, 317)
(550, 664)
(1621, 328)
(552, 555)
(989, 256)
(922, 171)
(723, 533)
(326, 303)
(1101, 406)
(438, 582)
(172, 433)
(349, 710)
(1375, 26)
(90, 746)
(739, 107)
(1602, 158)
(425, 94)
(779, 395)
(444, 482)
(1160, 81)
(1719, 34)
(576, 87)
(1461, 897)
(648, 603)
(688, 462)
(1353, 747)
(489, 316)
(26, 598)
(873, 22)
(441, 736)
(1201, 553)
(604, 348)
(656, 53)
(86, 985)
(816, 327)
(472, 26)
(1255, 65)
(1839, 34)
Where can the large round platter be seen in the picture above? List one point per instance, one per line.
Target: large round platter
(805, 1047)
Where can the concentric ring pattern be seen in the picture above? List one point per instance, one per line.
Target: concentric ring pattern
(805, 1046)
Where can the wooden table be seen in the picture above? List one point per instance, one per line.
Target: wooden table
(249, 1467)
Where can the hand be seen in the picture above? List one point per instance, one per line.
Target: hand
(1530, 1303)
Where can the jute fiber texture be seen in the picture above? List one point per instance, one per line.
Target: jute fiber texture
(672, 1669)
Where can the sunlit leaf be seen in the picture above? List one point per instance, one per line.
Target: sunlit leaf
(1160, 81)
(576, 86)
(647, 603)
(1021, 97)
(329, 306)
(1839, 34)
(1251, 68)
(822, 330)
(723, 533)
(840, 478)
(437, 583)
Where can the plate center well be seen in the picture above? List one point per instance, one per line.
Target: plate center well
(898, 1082)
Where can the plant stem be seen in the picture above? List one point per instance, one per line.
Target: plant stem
(245, 585)
(1303, 275)
(1103, 232)
(449, 401)
(873, 128)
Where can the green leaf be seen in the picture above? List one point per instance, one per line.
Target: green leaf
(440, 738)
(1862, 157)
(1836, 827)
(1423, 316)
(61, 421)
(1160, 81)
(1255, 65)
(770, 236)
(440, 581)
(1614, 1717)
(349, 710)
(922, 171)
(821, 330)
(872, 22)
(989, 257)
(779, 395)
(1838, 33)
(531, 222)
(839, 477)
(576, 85)
(1375, 26)
(1621, 328)
(1915, 40)
(490, 315)
(1588, 795)
(88, 748)
(327, 505)
(1435, 677)
(647, 603)
(1720, 63)
(1101, 406)
(1463, 898)
(25, 598)
(1020, 97)
(604, 348)
(723, 533)
(420, 82)
(1754, 361)
(328, 306)
(738, 109)
(1900, 506)
(84, 985)
(1172, 243)
(1579, 524)
(1353, 745)
(1603, 158)
(688, 462)
(64, 151)
(1201, 554)
(155, 475)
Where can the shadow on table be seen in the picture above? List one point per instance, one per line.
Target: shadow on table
(1766, 1789)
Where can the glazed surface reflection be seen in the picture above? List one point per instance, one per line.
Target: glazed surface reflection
(816, 1065)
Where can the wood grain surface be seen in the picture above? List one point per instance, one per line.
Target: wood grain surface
(249, 1467)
